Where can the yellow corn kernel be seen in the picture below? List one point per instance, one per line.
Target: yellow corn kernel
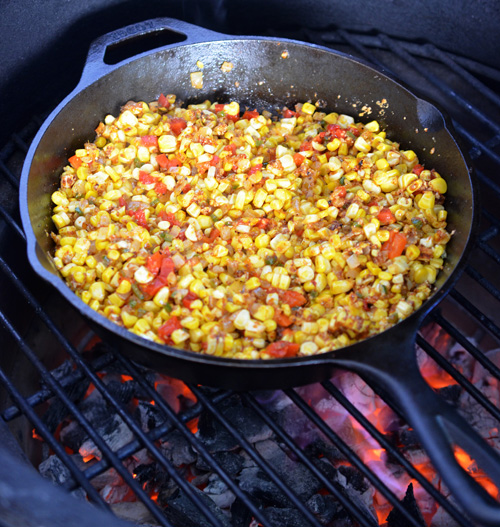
(124, 287)
(179, 336)
(264, 313)
(108, 274)
(271, 325)
(372, 126)
(116, 300)
(383, 275)
(383, 235)
(242, 319)
(341, 286)
(439, 185)
(161, 297)
(190, 323)
(308, 348)
(382, 164)
(98, 291)
(373, 268)
(252, 283)
(427, 200)
(412, 252)
(308, 108)
(322, 264)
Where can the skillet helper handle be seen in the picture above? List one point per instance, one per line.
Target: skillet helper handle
(95, 66)
(440, 428)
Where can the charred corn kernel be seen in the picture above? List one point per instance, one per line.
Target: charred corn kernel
(341, 286)
(427, 200)
(412, 252)
(308, 108)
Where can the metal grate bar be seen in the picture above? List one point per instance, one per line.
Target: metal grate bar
(157, 433)
(468, 346)
(11, 222)
(44, 395)
(438, 83)
(472, 310)
(197, 445)
(488, 181)
(261, 462)
(395, 453)
(351, 456)
(462, 72)
(42, 428)
(83, 422)
(464, 382)
(10, 176)
(307, 461)
(484, 282)
(479, 147)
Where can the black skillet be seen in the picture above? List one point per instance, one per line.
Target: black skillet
(268, 74)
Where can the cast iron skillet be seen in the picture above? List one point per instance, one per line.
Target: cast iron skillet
(267, 74)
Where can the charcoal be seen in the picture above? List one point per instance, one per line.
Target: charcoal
(258, 485)
(123, 391)
(149, 416)
(323, 507)
(151, 474)
(219, 492)
(406, 438)
(180, 510)
(285, 517)
(116, 434)
(72, 436)
(451, 393)
(133, 511)
(326, 468)
(319, 447)
(292, 473)
(177, 449)
(216, 438)
(58, 411)
(354, 478)
(231, 462)
(56, 471)
(241, 516)
(396, 519)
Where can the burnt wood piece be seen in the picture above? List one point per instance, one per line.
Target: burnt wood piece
(396, 519)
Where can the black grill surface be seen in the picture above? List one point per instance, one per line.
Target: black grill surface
(39, 332)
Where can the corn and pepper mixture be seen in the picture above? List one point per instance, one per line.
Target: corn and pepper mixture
(248, 236)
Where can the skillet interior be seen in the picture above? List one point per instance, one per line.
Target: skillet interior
(266, 74)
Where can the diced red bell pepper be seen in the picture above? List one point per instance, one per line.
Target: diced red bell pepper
(214, 234)
(122, 202)
(306, 145)
(336, 130)
(417, 169)
(395, 245)
(250, 114)
(161, 188)
(153, 263)
(298, 159)
(140, 217)
(293, 298)
(214, 161)
(167, 266)
(145, 178)
(177, 124)
(162, 101)
(263, 223)
(219, 108)
(340, 192)
(255, 168)
(283, 320)
(230, 148)
(282, 349)
(189, 299)
(149, 140)
(75, 162)
(167, 163)
(170, 217)
(166, 330)
(289, 113)
(386, 217)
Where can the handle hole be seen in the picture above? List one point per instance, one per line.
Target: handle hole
(129, 47)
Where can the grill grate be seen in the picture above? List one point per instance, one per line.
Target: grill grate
(467, 317)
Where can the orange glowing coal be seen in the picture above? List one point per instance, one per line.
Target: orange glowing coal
(469, 465)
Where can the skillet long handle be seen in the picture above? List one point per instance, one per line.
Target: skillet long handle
(95, 65)
(440, 428)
